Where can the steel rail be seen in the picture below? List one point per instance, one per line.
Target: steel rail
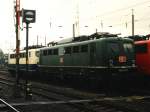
(8, 105)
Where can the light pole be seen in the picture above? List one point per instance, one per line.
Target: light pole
(73, 30)
(60, 26)
(102, 25)
(132, 22)
(110, 28)
(86, 26)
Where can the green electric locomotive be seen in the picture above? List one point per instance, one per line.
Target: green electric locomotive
(100, 56)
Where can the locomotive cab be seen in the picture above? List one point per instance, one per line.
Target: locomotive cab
(120, 54)
(115, 53)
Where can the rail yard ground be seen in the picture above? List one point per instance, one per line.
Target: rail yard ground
(57, 98)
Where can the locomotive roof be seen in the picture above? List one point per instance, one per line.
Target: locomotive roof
(89, 41)
(12, 52)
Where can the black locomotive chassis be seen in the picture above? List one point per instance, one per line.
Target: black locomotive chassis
(98, 72)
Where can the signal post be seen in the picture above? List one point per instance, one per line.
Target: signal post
(28, 17)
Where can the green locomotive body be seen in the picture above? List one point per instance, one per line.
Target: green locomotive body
(94, 57)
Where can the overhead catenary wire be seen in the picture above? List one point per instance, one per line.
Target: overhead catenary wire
(124, 8)
(110, 14)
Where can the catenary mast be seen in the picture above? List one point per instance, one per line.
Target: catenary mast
(18, 12)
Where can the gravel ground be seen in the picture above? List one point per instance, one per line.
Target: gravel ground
(7, 94)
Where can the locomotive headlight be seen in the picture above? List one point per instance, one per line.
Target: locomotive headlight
(110, 62)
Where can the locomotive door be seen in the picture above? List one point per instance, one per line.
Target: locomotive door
(92, 54)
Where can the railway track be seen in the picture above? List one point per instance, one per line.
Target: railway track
(77, 100)
(103, 104)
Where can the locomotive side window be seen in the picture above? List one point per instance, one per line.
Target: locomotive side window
(68, 50)
(141, 48)
(84, 48)
(75, 49)
(24, 54)
(21, 55)
(61, 51)
(49, 52)
(55, 52)
(45, 52)
(29, 54)
(12, 56)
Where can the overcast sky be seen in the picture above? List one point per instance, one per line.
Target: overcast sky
(104, 15)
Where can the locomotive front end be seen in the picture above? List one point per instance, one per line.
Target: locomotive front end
(121, 55)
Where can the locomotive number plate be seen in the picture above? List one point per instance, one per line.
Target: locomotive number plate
(122, 59)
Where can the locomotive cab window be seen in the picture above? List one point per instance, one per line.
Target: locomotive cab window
(128, 47)
(141, 48)
(113, 48)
